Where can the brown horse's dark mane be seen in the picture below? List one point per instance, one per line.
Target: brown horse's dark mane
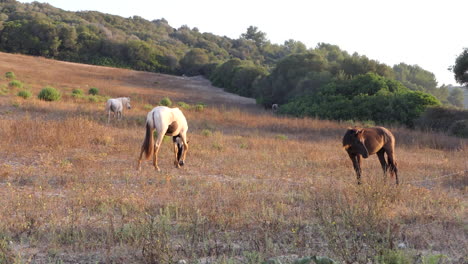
(347, 139)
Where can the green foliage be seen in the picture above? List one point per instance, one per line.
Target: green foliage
(206, 132)
(199, 107)
(445, 119)
(434, 259)
(6, 253)
(395, 257)
(93, 99)
(148, 107)
(460, 69)
(281, 137)
(183, 105)
(194, 61)
(10, 75)
(77, 92)
(165, 102)
(93, 91)
(49, 94)
(415, 77)
(456, 97)
(365, 97)
(25, 94)
(15, 84)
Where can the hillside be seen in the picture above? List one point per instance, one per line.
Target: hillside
(255, 185)
(250, 65)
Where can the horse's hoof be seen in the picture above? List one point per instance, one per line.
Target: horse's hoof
(181, 163)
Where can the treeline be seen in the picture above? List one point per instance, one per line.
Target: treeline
(324, 81)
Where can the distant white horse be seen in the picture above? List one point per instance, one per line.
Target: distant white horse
(170, 122)
(274, 107)
(116, 106)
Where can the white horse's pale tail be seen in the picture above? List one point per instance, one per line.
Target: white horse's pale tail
(116, 106)
(167, 122)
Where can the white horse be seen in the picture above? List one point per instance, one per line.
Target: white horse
(170, 122)
(116, 105)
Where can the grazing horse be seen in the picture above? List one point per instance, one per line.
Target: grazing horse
(170, 122)
(368, 141)
(116, 105)
(274, 107)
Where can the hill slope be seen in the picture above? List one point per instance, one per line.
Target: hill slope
(255, 185)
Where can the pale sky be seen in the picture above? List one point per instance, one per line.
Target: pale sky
(428, 33)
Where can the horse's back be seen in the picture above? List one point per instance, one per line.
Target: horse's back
(162, 117)
(378, 138)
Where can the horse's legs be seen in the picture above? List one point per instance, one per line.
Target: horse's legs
(383, 163)
(108, 116)
(392, 165)
(157, 145)
(356, 159)
(176, 150)
(184, 152)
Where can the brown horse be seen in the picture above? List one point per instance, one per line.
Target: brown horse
(368, 141)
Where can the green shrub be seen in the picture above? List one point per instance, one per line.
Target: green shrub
(459, 128)
(49, 94)
(183, 105)
(165, 101)
(199, 107)
(10, 75)
(395, 257)
(93, 99)
(148, 107)
(445, 119)
(93, 91)
(25, 94)
(16, 83)
(206, 132)
(77, 92)
(281, 137)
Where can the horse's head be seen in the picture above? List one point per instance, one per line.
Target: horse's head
(127, 103)
(354, 142)
(180, 149)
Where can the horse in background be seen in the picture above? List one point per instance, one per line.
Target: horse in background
(116, 106)
(368, 141)
(170, 122)
(274, 108)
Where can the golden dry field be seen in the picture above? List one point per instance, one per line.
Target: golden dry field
(255, 185)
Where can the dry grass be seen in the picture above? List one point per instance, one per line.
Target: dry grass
(255, 185)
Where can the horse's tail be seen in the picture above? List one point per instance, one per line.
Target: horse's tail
(148, 143)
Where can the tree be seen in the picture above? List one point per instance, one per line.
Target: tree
(192, 63)
(456, 97)
(256, 35)
(460, 69)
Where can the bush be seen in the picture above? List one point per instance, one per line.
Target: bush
(93, 91)
(10, 75)
(148, 107)
(93, 99)
(183, 105)
(166, 101)
(445, 119)
(77, 92)
(199, 107)
(49, 94)
(25, 94)
(16, 83)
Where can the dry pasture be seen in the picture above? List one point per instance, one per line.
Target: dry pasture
(255, 185)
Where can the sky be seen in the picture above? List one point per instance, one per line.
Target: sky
(427, 33)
